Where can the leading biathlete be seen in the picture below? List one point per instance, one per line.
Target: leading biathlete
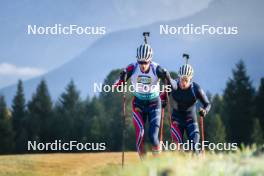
(145, 76)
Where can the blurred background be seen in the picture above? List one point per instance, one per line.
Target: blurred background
(54, 98)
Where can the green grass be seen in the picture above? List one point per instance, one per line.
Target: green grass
(222, 164)
(109, 164)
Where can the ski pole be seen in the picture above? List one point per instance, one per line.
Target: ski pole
(124, 124)
(202, 131)
(169, 108)
(161, 125)
(186, 56)
(146, 34)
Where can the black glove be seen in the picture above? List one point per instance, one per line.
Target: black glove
(123, 75)
(202, 112)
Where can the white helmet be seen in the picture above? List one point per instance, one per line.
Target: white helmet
(186, 70)
(144, 53)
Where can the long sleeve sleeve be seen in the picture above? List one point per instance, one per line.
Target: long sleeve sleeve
(164, 75)
(204, 99)
(125, 74)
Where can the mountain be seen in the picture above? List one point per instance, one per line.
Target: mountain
(212, 56)
(50, 51)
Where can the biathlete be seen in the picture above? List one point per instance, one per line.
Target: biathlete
(185, 94)
(145, 76)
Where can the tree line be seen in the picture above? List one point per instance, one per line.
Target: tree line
(236, 116)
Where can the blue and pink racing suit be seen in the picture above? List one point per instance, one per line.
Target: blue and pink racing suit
(184, 111)
(146, 104)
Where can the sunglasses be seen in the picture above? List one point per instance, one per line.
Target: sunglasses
(143, 63)
(185, 78)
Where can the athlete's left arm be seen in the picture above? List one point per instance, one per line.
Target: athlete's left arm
(164, 75)
(204, 99)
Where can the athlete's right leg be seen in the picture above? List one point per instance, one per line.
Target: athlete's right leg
(139, 127)
(154, 118)
(177, 128)
(192, 129)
